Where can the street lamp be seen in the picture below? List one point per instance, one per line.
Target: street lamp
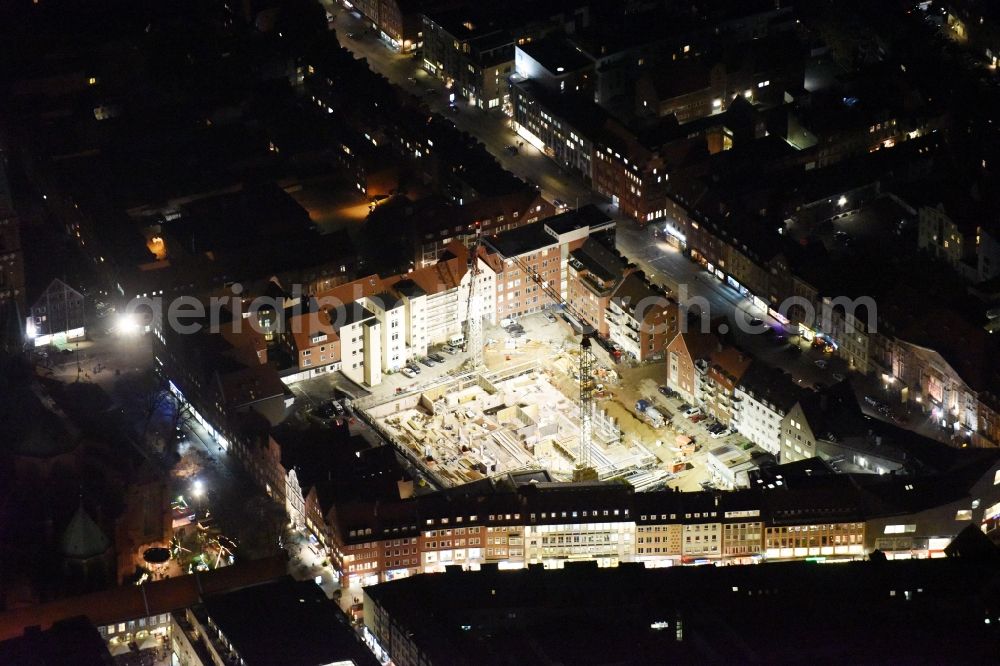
(198, 491)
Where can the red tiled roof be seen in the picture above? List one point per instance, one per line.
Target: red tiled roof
(127, 603)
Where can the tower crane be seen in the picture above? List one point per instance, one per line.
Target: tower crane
(584, 465)
(474, 310)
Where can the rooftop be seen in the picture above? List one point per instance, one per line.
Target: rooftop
(300, 628)
(520, 241)
(556, 54)
(632, 615)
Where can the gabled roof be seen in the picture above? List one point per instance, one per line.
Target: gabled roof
(83, 539)
(698, 345)
(729, 363)
(307, 326)
(771, 385)
(637, 296)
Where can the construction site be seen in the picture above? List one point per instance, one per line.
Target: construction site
(492, 423)
(537, 414)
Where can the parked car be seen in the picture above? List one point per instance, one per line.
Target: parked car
(408, 372)
(665, 390)
(428, 362)
(641, 406)
(821, 363)
(437, 357)
(413, 367)
(451, 350)
(839, 377)
(717, 434)
(691, 411)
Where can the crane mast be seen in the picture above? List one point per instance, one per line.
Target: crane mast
(474, 310)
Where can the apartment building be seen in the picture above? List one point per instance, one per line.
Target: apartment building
(57, 315)
(683, 351)
(535, 257)
(721, 372)
(697, 85)
(314, 341)
(762, 398)
(641, 318)
(514, 525)
(594, 270)
(377, 324)
(472, 53)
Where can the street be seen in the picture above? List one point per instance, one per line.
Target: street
(492, 129)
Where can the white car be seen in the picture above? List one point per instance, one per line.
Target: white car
(408, 373)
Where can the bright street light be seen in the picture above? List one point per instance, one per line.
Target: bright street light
(198, 489)
(127, 323)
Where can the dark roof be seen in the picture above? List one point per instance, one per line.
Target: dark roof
(633, 615)
(578, 110)
(635, 291)
(768, 384)
(339, 466)
(386, 299)
(409, 288)
(680, 77)
(523, 240)
(556, 54)
(578, 218)
(349, 313)
(301, 626)
(83, 539)
(599, 259)
(833, 413)
(71, 641)
(131, 602)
